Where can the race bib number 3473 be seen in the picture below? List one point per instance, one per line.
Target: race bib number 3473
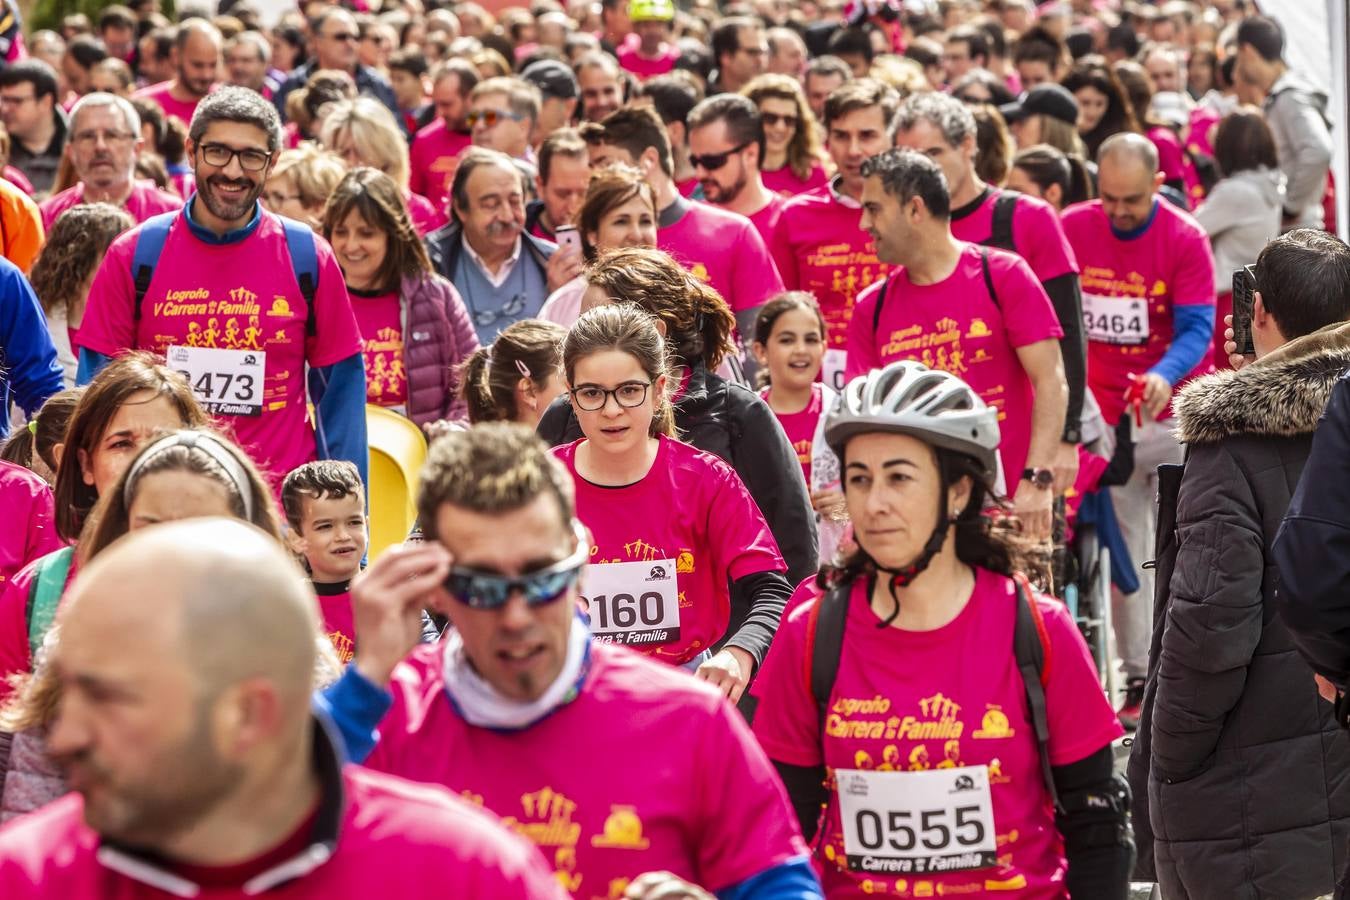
(633, 602)
(226, 382)
(919, 822)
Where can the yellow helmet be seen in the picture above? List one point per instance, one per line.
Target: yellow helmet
(651, 10)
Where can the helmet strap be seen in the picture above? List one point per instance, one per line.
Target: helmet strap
(903, 577)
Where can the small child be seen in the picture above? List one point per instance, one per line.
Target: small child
(789, 344)
(325, 506)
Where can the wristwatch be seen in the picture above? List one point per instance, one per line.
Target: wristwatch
(1041, 478)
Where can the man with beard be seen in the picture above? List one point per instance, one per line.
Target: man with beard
(436, 148)
(503, 272)
(245, 303)
(185, 668)
(726, 144)
(196, 62)
(105, 139)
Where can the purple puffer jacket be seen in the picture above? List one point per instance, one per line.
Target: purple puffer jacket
(437, 337)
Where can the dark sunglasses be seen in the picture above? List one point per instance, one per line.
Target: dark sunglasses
(774, 119)
(714, 161)
(489, 590)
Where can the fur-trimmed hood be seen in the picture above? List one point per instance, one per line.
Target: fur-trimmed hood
(1283, 394)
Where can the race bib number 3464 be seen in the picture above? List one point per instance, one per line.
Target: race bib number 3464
(633, 602)
(1115, 320)
(917, 822)
(226, 382)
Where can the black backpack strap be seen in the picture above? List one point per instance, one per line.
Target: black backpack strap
(876, 310)
(989, 279)
(1030, 644)
(825, 644)
(1001, 232)
(149, 244)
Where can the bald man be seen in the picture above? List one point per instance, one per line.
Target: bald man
(186, 661)
(196, 61)
(1148, 312)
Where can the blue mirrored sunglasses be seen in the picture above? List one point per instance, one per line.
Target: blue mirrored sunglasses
(490, 590)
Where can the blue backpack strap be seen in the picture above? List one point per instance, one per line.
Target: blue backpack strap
(149, 244)
(49, 583)
(305, 262)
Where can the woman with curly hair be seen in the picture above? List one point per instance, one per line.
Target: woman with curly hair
(65, 268)
(793, 159)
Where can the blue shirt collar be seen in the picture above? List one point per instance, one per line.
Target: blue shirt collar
(1137, 232)
(207, 236)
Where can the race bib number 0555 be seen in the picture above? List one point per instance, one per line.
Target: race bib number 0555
(1115, 320)
(919, 822)
(226, 382)
(633, 602)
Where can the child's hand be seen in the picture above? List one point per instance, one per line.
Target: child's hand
(830, 505)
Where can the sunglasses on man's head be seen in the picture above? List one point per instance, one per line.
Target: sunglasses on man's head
(477, 589)
(714, 161)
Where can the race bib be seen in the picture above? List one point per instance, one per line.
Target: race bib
(226, 382)
(832, 369)
(1115, 320)
(633, 602)
(917, 822)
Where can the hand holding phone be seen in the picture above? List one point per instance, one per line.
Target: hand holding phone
(1244, 291)
(568, 236)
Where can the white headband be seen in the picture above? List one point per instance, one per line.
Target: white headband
(208, 444)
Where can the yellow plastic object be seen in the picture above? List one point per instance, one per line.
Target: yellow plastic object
(397, 451)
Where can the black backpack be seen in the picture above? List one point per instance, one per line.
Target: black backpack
(1031, 645)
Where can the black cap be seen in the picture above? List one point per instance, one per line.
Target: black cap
(552, 78)
(1045, 100)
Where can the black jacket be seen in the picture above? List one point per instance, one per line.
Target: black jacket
(733, 423)
(1246, 780)
(368, 82)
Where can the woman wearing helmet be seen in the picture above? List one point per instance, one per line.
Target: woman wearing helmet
(941, 758)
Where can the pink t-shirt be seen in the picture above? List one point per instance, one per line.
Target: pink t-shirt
(820, 248)
(646, 770)
(931, 700)
(14, 655)
(1036, 232)
(144, 201)
(432, 161)
(395, 839)
(425, 217)
(335, 608)
(766, 220)
(172, 106)
(644, 67)
(28, 527)
(785, 181)
(800, 427)
(724, 250)
(1173, 162)
(692, 509)
(241, 295)
(379, 319)
(1169, 265)
(956, 326)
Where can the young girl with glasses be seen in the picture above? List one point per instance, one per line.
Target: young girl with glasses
(671, 527)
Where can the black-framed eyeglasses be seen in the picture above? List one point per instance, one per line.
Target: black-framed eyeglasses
(490, 117)
(477, 589)
(592, 397)
(250, 160)
(714, 161)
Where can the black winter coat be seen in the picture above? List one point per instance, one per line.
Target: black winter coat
(1246, 782)
(731, 422)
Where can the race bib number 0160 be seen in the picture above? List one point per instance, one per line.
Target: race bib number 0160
(226, 382)
(917, 822)
(633, 602)
(1115, 320)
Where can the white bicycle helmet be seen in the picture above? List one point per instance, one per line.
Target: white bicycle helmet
(907, 397)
